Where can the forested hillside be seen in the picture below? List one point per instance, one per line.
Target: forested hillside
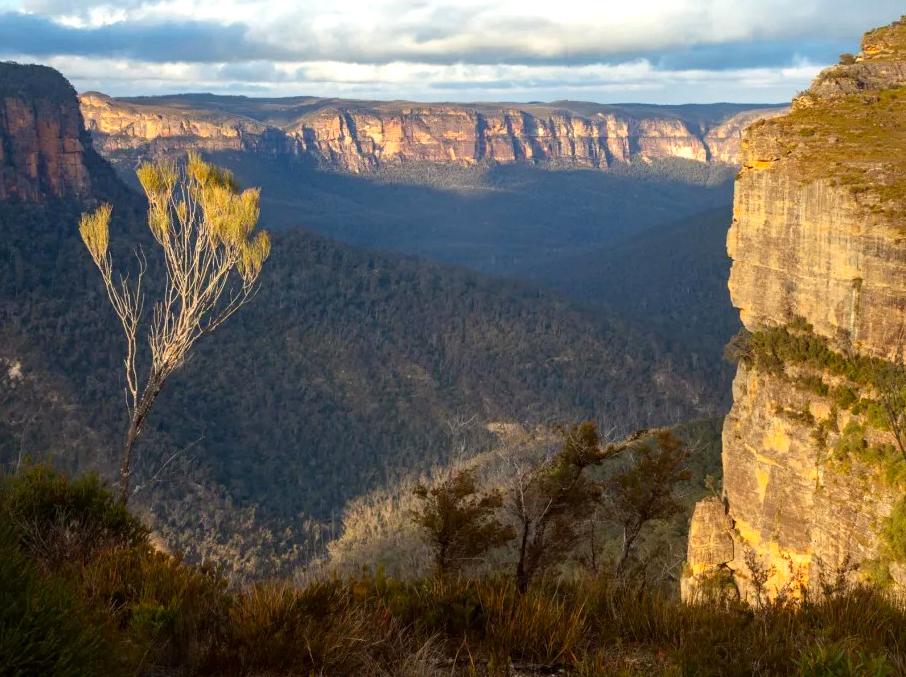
(340, 376)
(669, 281)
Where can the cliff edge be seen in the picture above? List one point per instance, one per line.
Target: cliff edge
(813, 467)
(357, 136)
(42, 138)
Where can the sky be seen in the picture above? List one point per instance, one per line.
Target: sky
(651, 51)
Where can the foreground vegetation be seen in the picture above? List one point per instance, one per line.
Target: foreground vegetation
(85, 593)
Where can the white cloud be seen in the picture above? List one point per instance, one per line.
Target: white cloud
(538, 28)
(664, 50)
(637, 80)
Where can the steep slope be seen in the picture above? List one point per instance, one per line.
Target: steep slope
(341, 375)
(365, 135)
(811, 465)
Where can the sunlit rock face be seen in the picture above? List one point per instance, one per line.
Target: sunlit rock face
(817, 239)
(42, 139)
(362, 136)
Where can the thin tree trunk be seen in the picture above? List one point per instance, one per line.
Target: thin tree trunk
(155, 383)
(125, 466)
(628, 539)
(522, 577)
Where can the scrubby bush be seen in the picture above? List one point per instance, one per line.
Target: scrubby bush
(58, 520)
(123, 608)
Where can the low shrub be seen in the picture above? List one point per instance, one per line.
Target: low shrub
(44, 628)
(119, 607)
(58, 520)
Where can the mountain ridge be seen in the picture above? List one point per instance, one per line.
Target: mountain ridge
(361, 135)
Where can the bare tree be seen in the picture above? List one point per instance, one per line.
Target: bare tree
(551, 501)
(204, 225)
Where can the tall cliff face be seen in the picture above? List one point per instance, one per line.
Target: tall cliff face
(812, 468)
(42, 138)
(359, 136)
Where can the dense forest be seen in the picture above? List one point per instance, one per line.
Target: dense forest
(339, 377)
(670, 281)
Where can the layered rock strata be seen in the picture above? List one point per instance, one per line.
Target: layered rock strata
(812, 469)
(361, 136)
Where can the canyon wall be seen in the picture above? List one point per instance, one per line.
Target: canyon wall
(812, 465)
(360, 136)
(42, 138)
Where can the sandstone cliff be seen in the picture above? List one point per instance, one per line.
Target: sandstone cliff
(359, 136)
(812, 468)
(42, 139)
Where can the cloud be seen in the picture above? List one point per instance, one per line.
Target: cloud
(638, 81)
(458, 48)
(438, 31)
(190, 41)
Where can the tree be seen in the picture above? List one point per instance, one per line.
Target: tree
(644, 491)
(204, 225)
(459, 522)
(551, 500)
(890, 384)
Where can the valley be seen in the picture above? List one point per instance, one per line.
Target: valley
(299, 385)
(353, 361)
(551, 217)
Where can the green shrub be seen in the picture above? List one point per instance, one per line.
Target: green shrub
(893, 531)
(814, 384)
(844, 396)
(58, 520)
(166, 611)
(852, 441)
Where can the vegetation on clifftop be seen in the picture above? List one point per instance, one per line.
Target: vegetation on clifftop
(885, 43)
(853, 141)
(95, 598)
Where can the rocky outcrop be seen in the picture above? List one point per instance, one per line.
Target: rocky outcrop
(361, 136)
(811, 468)
(118, 127)
(42, 138)
(710, 547)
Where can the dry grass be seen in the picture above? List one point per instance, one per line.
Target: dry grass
(151, 614)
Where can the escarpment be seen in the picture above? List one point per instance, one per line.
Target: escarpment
(813, 467)
(358, 136)
(42, 139)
